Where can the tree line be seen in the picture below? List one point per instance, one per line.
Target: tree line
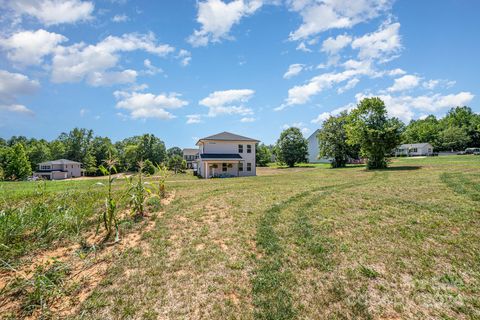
(19, 156)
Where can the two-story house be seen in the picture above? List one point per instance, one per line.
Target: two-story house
(59, 169)
(190, 156)
(226, 155)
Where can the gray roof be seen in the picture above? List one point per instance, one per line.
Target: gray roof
(190, 150)
(221, 156)
(227, 136)
(60, 161)
(415, 145)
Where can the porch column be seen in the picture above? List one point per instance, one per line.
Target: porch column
(206, 170)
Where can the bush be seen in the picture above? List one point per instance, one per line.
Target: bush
(148, 167)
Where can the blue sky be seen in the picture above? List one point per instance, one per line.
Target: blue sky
(186, 69)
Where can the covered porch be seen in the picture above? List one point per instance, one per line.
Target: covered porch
(222, 168)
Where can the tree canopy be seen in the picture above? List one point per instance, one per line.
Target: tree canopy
(292, 147)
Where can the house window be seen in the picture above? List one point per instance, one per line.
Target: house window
(240, 166)
(249, 148)
(224, 167)
(240, 148)
(414, 150)
(249, 166)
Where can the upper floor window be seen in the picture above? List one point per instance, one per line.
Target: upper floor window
(240, 148)
(249, 148)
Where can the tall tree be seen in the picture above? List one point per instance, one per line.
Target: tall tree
(38, 151)
(375, 133)
(174, 151)
(454, 138)
(292, 147)
(263, 155)
(423, 130)
(76, 143)
(18, 167)
(57, 150)
(332, 141)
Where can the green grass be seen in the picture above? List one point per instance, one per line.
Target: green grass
(307, 243)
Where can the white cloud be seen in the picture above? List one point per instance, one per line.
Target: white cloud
(12, 86)
(406, 82)
(322, 15)
(247, 119)
(325, 115)
(53, 12)
(432, 84)
(93, 62)
(120, 18)
(321, 117)
(194, 118)
(382, 44)
(29, 47)
(303, 47)
(404, 107)
(218, 17)
(396, 72)
(301, 94)
(228, 102)
(185, 56)
(350, 85)
(83, 112)
(148, 105)
(151, 69)
(293, 70)
(333, 45)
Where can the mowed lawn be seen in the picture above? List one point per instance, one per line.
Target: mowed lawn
(306, 243)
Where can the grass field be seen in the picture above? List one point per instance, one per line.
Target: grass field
(300, 243)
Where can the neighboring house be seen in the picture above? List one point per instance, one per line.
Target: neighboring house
(191, 156)
(226, 154)
(314, 150)
(414, 149)
(59, 170)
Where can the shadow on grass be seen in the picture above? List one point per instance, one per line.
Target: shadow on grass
(399, 168)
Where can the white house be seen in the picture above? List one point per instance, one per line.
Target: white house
(59, 170)
(190, 155)
(226, 155)
(314, 150)
(414, 149)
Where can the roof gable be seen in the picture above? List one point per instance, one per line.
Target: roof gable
(227, 136)
(60, 161)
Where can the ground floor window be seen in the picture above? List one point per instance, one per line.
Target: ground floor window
(224, 167)
(240, 166)
(249, 166)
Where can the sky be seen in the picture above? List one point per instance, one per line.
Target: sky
(187, 69)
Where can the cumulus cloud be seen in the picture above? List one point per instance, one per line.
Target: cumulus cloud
(293, 70)
(247, 119)
(120, 18)
(148, 105)
(300, 125)
(53, 12)
(333, 45)
(382, 44)
(88, 62)
(151, 69)
(406, 82)
(325, 115)
(322, 15)
(185, 57)
(228, 102)
(350, 85)
(30, 47)
(13, 86)
(404, 107)
(217, 18)
(194, 118)
(303, 47)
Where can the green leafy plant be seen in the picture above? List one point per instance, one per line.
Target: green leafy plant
(162, 178)
(137, 192)
(110, 213)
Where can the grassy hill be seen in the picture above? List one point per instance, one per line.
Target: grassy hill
(305, 243)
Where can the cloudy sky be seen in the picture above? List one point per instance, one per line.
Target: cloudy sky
(185, 69)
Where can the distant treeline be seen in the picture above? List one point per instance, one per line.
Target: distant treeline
(457, 130)
(83, 146)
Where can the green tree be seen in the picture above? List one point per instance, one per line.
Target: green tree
(423, 130)
(454, 138)
(332, 141)
(292, 147)
(263, 155)
(18, 166)
(76, 142)
(174, 151)
(57, 150)
(90, 164)
(376, 134)
(38, 151)
(177, 164)
(148, 167)
(466, 119)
